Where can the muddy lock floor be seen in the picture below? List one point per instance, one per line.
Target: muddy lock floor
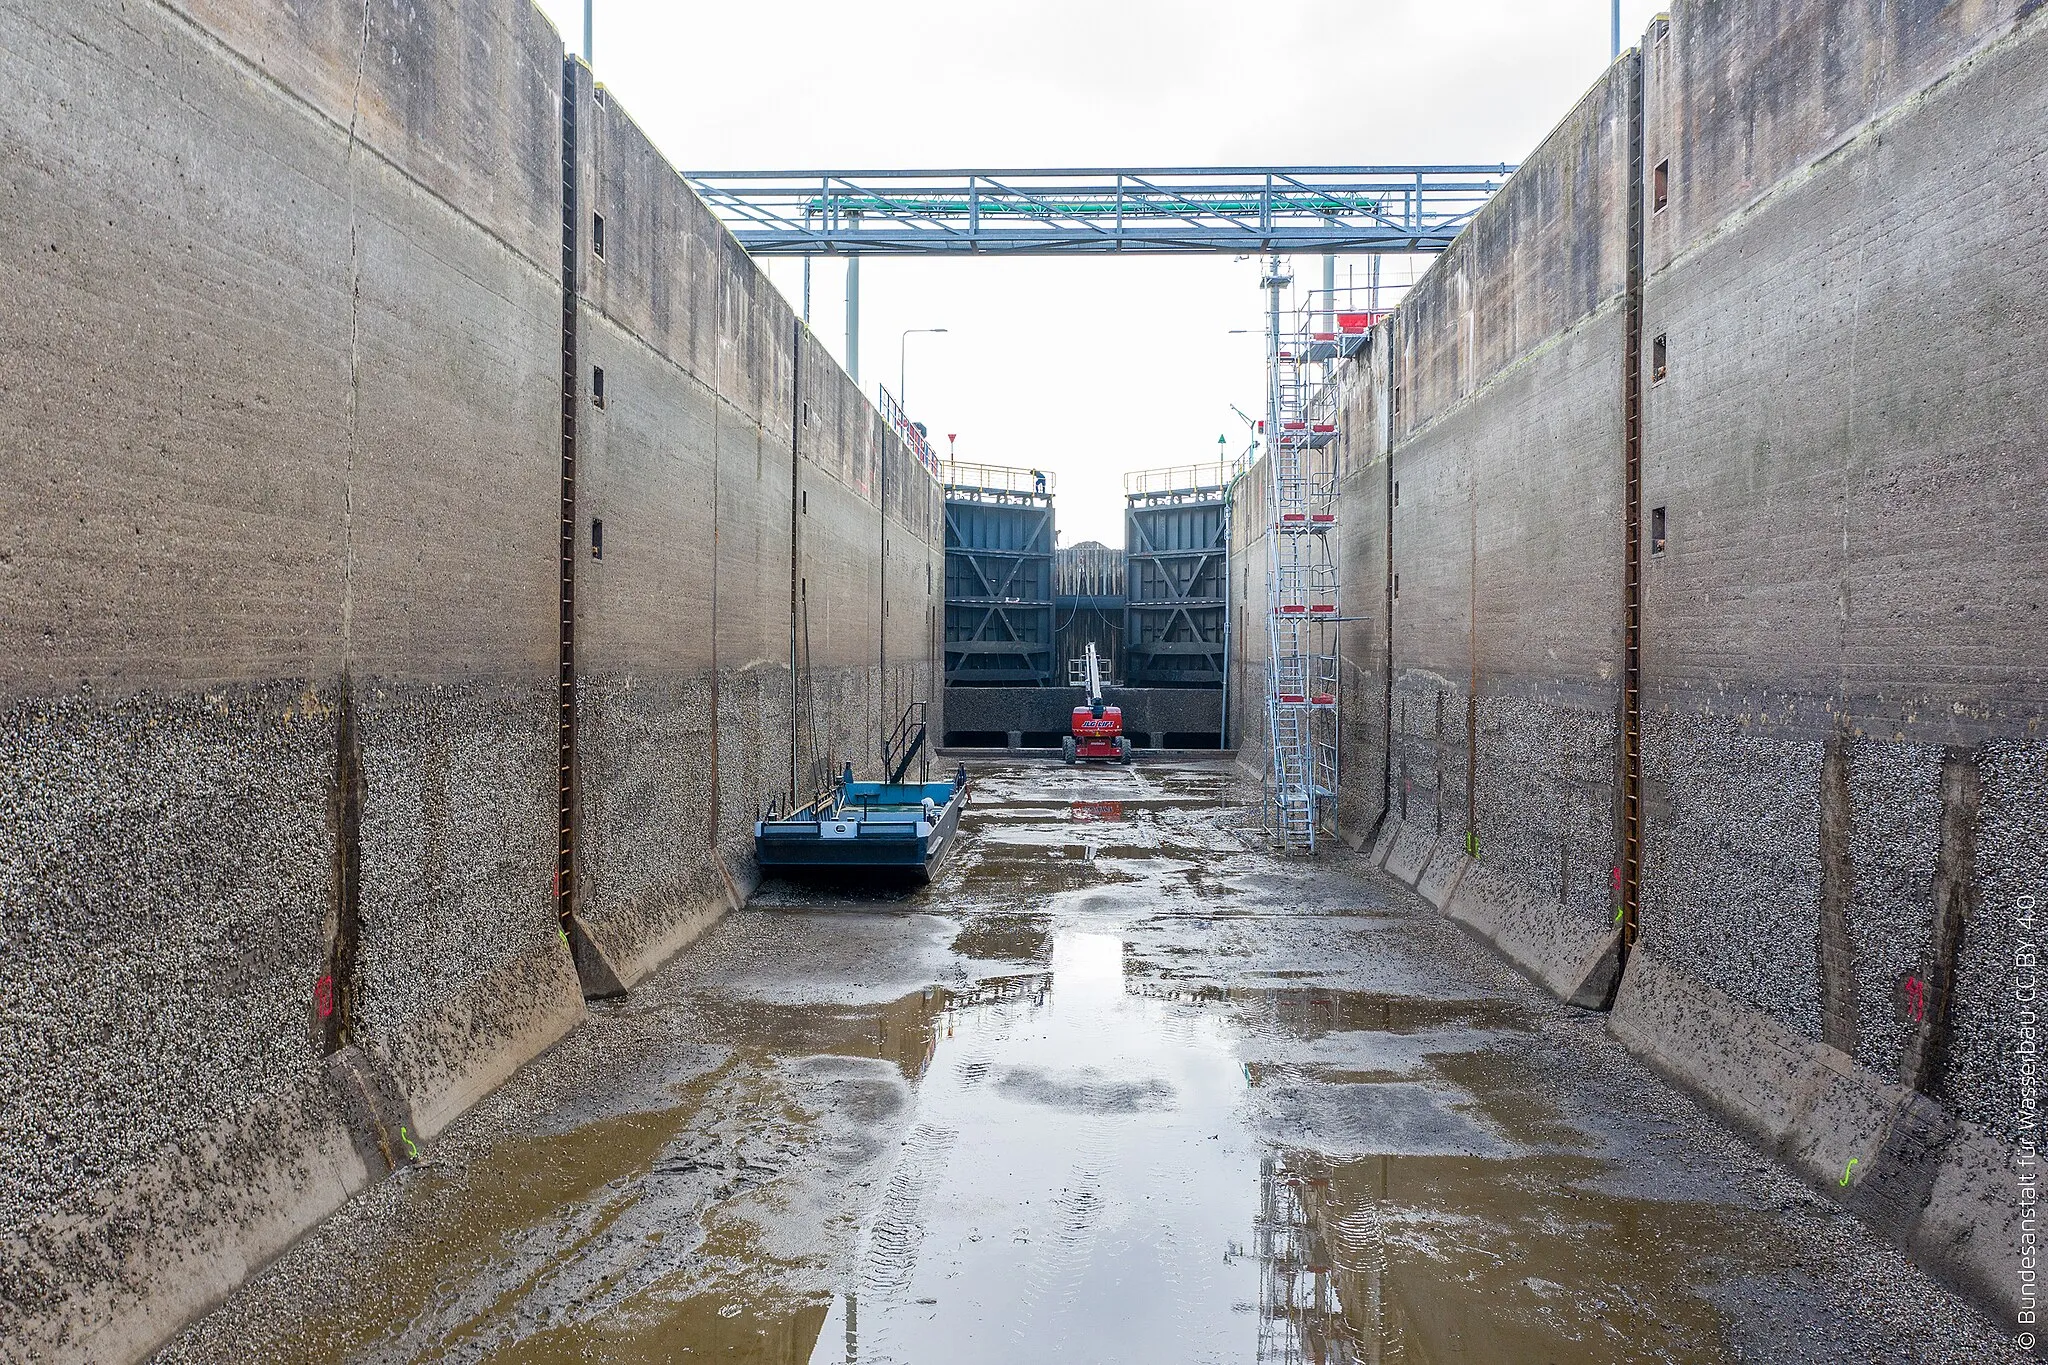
(1122, 1086)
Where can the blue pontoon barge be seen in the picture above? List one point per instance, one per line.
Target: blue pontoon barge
(898, 830)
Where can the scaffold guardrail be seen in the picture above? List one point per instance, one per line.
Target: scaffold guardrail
(996, 478)
(913, 439)
(1212, 476)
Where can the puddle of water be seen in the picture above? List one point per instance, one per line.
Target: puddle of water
(904, 1032)
(1428, 1259)
(1082, 1171)
(1099, 1173)
(1003, 938)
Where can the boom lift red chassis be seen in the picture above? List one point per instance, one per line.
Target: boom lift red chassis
(1098, 729)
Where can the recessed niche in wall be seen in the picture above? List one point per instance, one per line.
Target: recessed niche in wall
(596, 538)
(597, 235)
(1658, 535)
(1660, 356)
(1661, 183)
(597, 385)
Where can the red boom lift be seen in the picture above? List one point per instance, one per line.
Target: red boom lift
(1098, 730)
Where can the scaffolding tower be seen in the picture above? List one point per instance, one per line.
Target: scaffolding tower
(1301, 562)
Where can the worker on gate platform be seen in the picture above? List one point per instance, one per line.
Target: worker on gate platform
(1038, 480)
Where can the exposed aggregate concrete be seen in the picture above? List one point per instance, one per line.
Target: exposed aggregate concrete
(458, 837)
(1997, 972)
(163, 864)
(1732, 861)
(1895, 834)
(1546, 802)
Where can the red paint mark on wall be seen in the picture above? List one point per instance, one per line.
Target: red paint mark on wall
(1916, 999)
(323, 996)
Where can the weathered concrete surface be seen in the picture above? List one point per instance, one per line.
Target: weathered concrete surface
(1941, 1188)
(1365, 493)
(248, 523)
(1845, 777)
(1250, 647)
(1074, 1102)
(721, 411)
(1577, 963)
(1861, 555)
(280, 404)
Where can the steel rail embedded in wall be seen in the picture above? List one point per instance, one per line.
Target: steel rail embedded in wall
(1131, 210)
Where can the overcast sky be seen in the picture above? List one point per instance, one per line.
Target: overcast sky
(1087, 366)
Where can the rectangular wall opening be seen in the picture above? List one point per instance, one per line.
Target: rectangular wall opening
(1658, 536)
(597, 385)
(1659, 360)
(597, 235)
(596, 538)
(1661, 181)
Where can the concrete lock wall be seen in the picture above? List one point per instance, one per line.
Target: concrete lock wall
(1250, 647)
(1844, 776)
(281, 395)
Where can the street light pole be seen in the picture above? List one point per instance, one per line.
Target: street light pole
(853, 304)
(902, 354)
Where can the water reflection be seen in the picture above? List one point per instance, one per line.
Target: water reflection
(1075, 1170)
(1322, 1270)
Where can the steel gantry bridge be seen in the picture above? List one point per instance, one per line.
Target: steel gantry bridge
(1153, 211)
(1272, 212)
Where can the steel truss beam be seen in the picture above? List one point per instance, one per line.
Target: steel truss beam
(1141, 211)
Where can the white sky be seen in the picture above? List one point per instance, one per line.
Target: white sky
(1089, 366)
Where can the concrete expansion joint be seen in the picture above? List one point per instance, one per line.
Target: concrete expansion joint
(595, 970)
(374, 1109)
